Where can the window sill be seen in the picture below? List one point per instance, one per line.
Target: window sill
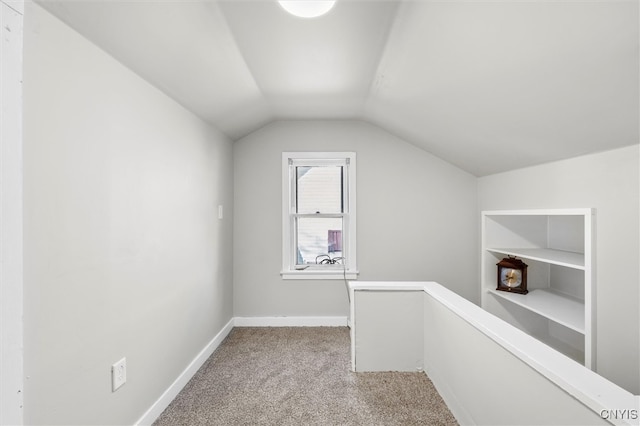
(319, 273)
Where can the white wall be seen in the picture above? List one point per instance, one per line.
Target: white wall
(11, 365)
(487, 371)
(490, 385)
(608, 181)
(416, 218)
(124, 254)
(389, 332)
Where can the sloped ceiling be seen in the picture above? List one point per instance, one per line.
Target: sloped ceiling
(488, 86)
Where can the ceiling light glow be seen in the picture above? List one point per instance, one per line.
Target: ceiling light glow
(307, 8)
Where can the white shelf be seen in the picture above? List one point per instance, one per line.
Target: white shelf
(564, 293)
(541, 212)
(558, 307)
(555, 257)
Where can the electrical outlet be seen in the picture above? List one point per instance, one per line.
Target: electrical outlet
(118, 374)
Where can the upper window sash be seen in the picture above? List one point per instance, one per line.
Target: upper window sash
(293, 182)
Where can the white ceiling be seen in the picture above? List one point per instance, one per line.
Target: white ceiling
(489, 85)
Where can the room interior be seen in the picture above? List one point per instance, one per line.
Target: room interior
(147, 182)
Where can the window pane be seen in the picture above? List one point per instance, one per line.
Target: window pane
(319, 189)
(321, 236)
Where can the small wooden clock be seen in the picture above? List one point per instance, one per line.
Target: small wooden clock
(512, 275)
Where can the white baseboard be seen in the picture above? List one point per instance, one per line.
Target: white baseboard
(169, 395)
(290, 321)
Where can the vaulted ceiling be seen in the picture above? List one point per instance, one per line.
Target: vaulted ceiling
(488, 86)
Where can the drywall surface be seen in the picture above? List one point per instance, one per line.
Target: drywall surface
(609, 182)
(124, 255)
(11, 353)
(416, 218)
(484, 384)
(478, 361)
(389, 331)
(493, 85)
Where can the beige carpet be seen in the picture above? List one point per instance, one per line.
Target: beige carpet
(300, 376)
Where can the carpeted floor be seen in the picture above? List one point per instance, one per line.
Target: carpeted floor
(300, 376)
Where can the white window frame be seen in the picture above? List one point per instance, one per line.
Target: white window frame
(324, 272)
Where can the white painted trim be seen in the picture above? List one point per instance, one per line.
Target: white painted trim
(579, 211)
(318, 275)
(290, 321)
(11, 215)
(169, 395)
(288, 270)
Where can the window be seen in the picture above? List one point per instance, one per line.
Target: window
(319, 215)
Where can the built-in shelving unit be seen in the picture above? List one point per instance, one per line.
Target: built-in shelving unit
(557, 245)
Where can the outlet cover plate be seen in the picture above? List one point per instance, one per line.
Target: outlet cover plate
(118, 374)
